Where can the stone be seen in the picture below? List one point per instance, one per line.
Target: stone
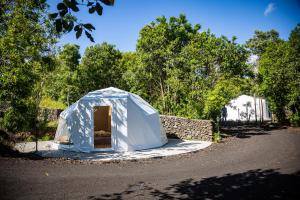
(185, 128)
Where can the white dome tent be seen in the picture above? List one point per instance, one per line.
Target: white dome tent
(109, 119)
(245, 108)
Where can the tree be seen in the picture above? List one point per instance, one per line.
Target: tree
(261, 40)
(260, 45)
(280, 77)
(26, 51)
(177, 65)
(128, 65)
(158, 47)
(294, 39)
(62, 84)
(210, 60)
(100, 68)
(294, 95)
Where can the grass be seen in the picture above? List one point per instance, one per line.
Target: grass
(51, 104)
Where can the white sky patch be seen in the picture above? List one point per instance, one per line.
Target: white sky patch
(252, 59)
(270, 8)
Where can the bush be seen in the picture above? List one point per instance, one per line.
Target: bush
(46, 137)
(30, 138)
(6, 140)
(49, 126)
(20, 116)
(217, 137)
(222, 93)
(51, 104)
(52, 124)
(294, 119)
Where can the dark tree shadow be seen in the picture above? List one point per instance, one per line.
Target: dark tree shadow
(6, 148)
(248, 130)
(6, 151)
(253, 184)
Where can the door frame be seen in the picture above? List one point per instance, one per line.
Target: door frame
(111, 132)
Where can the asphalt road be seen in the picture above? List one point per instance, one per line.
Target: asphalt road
(252, 164)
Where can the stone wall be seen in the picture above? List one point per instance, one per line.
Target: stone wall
(184, 128)
(46, 114)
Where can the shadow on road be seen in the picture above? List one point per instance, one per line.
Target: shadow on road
(6, 151)
(253, 184)
(6, 148)
(246, 131)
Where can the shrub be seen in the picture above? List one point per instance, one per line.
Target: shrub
(51, 104)
(294, 119)
(223, 92)
(46, 137)
(217, 137)
(30, 138)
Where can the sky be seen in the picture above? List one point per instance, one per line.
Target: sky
(120, 24)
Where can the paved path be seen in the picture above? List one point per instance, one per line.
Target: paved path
(173, 147)
(253, 164)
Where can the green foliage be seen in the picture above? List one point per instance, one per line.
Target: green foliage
(261, 40)
(51, 104)
(62, 84)
(176, 65)
(158, 51)
(30, 138)
(64, 20)
(100, 68)
(128, 65)
(178, 69)
(294, 39)
(217, 137)
(280, 78)
(14, 120)
(25, 48)
(278, 70)
(295, 119)
(52, 124)
(220, 95)
(46, 137)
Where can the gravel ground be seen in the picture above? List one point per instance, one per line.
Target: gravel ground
(252, 163)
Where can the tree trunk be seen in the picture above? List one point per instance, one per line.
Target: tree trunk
(262, 111)
(162, 93)
(255, 111)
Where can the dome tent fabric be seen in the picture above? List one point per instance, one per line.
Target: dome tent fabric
(245, 108)
(135, 124)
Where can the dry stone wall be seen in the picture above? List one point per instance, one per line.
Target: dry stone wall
(184, 128)
(46, 114)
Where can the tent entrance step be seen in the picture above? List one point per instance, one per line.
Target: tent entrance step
(102, 127)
